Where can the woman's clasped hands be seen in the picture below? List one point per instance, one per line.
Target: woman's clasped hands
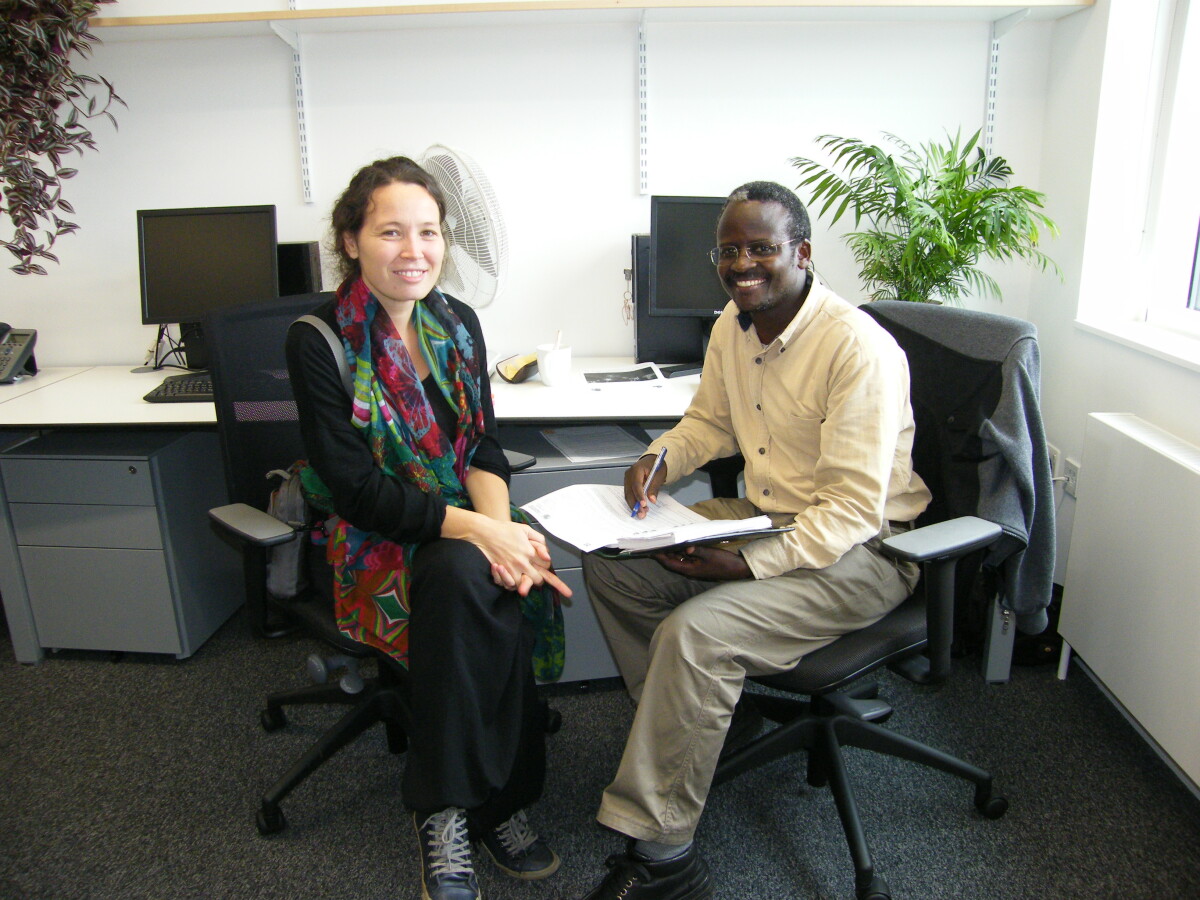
(520, 559)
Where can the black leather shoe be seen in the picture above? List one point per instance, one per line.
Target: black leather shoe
(518, 851)
(633, 877)
(446, 870)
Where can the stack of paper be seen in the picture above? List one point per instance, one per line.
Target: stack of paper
(592, 516)
(710, 530)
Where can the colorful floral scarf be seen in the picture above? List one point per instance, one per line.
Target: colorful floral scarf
(371, 573)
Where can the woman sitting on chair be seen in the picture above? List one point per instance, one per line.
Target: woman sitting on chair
(431, 562)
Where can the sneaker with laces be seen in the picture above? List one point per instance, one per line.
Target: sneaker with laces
(632, 876)
(446, 870)
(518, 851)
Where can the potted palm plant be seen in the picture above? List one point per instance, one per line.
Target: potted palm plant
(44, 103)
(933, 213)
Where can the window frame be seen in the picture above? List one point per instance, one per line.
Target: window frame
(1169, 255)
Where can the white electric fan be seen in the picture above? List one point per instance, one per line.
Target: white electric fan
(478, 251)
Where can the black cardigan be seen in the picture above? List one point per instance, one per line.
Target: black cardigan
(362, 494)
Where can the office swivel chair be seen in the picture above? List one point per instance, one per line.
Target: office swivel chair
(915, 639)
(256, 418)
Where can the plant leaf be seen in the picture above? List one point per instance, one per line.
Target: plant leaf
(935, 211)
(42, 102)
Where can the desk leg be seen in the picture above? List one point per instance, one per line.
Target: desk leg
(21, 626)
(1064, 661)
(999, 635)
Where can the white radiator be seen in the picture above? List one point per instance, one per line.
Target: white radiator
(1131, 598)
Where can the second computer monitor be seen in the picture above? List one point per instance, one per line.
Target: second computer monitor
(199, 259)
(683, 281)
(195, 260)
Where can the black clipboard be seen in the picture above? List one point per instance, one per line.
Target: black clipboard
(740, 538)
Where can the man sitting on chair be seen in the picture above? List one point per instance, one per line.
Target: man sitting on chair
(815, 395)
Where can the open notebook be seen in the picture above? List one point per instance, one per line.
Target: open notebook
(595, 516)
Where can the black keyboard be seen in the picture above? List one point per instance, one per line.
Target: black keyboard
(193, 387)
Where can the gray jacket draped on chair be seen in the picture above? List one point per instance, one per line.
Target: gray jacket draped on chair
(984, 371)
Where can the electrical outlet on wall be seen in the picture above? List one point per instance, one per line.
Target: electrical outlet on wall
(1071, 471)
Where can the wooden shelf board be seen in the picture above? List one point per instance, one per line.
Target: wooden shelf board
(806, 9)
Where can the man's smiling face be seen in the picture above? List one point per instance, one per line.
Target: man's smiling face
(760, 285)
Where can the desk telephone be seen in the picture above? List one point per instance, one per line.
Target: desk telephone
(16, 352)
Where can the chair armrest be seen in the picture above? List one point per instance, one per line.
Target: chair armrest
(938, 548)
(252, 524)
(942, 540)
(518, 461)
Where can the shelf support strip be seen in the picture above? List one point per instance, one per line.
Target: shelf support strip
(293, 40)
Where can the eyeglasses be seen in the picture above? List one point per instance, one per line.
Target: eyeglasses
(757, 251)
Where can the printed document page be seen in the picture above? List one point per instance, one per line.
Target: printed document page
(591, 516)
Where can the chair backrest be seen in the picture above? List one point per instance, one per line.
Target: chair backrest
(980, 444)
(256, 413)
(956, 361)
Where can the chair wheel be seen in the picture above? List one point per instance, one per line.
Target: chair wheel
(270, 820)
(553, 721)
(272, 718)
(993, 807)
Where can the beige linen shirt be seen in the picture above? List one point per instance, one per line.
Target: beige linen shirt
(822, 417)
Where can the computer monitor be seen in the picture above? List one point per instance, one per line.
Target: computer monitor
(192, 261)
(683, 281)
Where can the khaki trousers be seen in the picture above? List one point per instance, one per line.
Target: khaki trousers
(685, 647)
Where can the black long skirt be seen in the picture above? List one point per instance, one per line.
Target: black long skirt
(477, 736)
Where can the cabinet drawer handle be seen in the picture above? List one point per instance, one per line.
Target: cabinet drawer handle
(133, 470)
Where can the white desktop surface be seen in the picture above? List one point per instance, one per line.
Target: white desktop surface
(97, 395)
(112, 395)
(580, 401)
(29, 383)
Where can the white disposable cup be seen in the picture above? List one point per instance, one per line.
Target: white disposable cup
(554, 365)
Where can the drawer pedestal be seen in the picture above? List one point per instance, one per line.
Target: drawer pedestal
(113, 549)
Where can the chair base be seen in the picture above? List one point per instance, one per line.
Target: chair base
(822, 727)
(381, 700)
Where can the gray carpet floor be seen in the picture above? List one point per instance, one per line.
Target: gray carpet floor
(138, 777)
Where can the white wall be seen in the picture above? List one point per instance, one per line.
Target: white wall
(1083, 372)
(549, 111)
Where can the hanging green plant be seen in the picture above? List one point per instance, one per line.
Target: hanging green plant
(934, 213)
(43, 106)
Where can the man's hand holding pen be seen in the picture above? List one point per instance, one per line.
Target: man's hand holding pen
(643, 480)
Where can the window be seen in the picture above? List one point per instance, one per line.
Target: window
(1168, 258)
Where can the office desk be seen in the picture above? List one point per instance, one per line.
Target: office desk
(104, 541)
(577, 401)
(522, 410)
(112, 396)
(96, 396)
(29, 384)
(97, 420)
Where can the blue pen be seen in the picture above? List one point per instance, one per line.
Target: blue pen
(649, 478)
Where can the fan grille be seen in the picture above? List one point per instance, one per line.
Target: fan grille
(478, 253)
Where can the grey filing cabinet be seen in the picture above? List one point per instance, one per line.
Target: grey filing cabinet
(111, 534)
(587, 654)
